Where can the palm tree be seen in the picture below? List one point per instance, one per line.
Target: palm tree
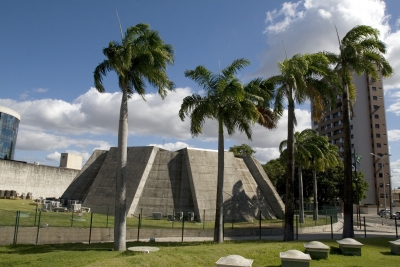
(306, 145)
(330, 159)
(300, 79)
(234, 106)
(141, 56)
(361, 51)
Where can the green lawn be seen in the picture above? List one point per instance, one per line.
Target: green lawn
(375, 252)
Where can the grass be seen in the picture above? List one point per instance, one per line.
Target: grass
(375, 252)
(8, 209)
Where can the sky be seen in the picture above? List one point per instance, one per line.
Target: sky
(49, 50)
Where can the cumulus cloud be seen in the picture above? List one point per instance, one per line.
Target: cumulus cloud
(38, 140)
(395, 172)
(394, 102)
(55, 156)
(394, 135)
(171, 146)
(97, 113)
(306, 27)
(264, 155)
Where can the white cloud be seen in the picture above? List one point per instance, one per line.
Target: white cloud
(171, 146)
(306, 27)
(395, 172)
(264, 138)
(97, 113)
(394, 135)
(40, 90)
(55, 156)
(394, 102)
(264, 155)
(38, 140)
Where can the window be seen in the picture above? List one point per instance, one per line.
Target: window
(338, 105)
(335, 115)
(376, 106)
(315, 123)
(378, 145)
(380, 165)
(380, 185)
(377, 126)
(376, 116)
(375, 97)
(351, 127)
(373, 88)
(380, 175)
(335, 123)
(352, 136)
(373, 79)
(378, 135)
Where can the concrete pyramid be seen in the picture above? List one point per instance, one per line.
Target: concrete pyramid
(185, 181)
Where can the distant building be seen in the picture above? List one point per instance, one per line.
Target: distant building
(71, 161)
(9, 122)
(368, 135)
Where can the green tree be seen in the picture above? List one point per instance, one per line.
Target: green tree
(242, 150)
(300, 79)
(329, 159)
(361, 51)
(141, 56)
(308, 145)
(233, 105)
(275, 171)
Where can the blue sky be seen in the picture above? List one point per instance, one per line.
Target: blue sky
(49, 50)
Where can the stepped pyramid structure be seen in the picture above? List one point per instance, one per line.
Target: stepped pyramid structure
(185, 181)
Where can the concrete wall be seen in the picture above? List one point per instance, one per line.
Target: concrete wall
(42, 181)
(183, 181)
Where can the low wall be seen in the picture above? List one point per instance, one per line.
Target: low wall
(41, 181)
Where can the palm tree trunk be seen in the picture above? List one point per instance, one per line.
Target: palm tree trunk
(315, 195)
(219, 214)
(301, 197)
(289, 199)
(120, 193)
(348, 230)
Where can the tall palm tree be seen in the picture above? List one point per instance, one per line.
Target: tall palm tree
(141, 56)
(300, 79)
(233, 105)
(361, 51)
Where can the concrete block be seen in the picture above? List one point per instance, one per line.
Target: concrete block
(350, 246)
(395, 247)
(295, 258)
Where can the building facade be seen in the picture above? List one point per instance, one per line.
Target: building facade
(368, 137)
(9, 122)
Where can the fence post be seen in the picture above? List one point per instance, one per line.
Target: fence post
(297, 227)
(16, 227)
(173, 218)
(365, 229)
(72, 218)
(183, 226)
(138, 229)
(395, 225)
(331, 228)
(204, 218)
(259, 224)
(38, 226)
(34, 224)
(90, 231)
(223, 227)
(107, 217)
